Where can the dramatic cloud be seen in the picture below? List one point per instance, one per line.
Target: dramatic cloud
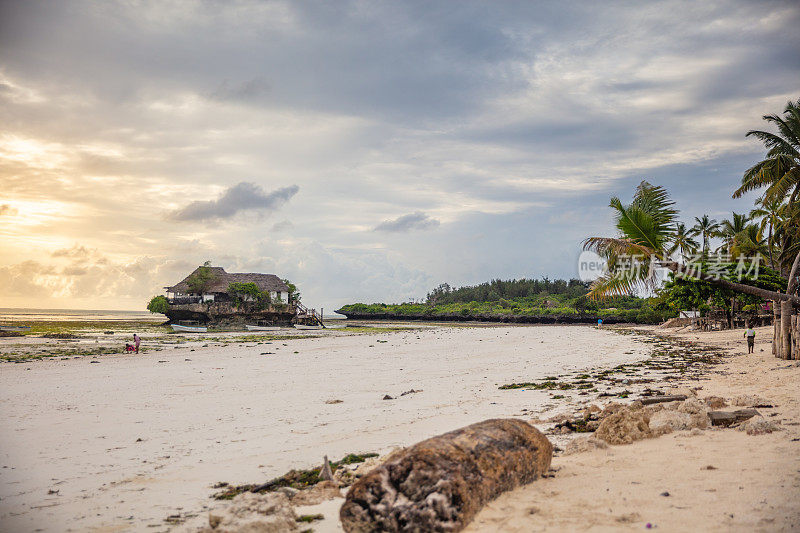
(508, 125)
(6, 209)
(243, 196)
(412, 221)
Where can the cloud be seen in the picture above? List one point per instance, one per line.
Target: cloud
(283, 225)
(7, 210)
(244, 196)
(413, 221)
(491, 118)
(76, 252)
(247, 90)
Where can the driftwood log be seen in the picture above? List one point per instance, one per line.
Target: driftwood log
(648, 400)
(441, 483)
(728, 418)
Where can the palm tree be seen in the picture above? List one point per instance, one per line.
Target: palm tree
(748, 242)
(682, 241)
(787, 234)
(645, 228)
(706, 228)
(729, 229)
(780, 171)
(769, 213)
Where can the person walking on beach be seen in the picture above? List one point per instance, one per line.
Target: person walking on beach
(136, 342)
(750, 334)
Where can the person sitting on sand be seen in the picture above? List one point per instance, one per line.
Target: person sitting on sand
(750, 334)
(136, 341)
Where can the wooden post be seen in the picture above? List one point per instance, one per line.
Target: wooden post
(776, 328)
(786, 330)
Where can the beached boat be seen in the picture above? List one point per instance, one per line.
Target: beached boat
(303, 326)
(189, 329)
(262, 328)
(15, 328)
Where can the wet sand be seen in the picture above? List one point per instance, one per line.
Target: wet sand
(129, 440)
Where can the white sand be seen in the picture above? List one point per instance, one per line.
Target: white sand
(232, 414)
(754, 484)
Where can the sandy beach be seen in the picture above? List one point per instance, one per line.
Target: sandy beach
(717, 480)
(120, 443)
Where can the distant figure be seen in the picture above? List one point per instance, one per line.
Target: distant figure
(599, 322)
(750, 334)
(136, 342)
(129, 347)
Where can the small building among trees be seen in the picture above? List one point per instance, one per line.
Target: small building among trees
(213, 284)
(210, 295)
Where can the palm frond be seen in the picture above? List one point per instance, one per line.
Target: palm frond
(781, 187)
(774, 142)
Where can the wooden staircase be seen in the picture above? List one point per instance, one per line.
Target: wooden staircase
(304, 315)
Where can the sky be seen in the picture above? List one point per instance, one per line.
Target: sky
(366, 150)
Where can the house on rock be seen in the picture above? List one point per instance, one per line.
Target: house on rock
(209, 295)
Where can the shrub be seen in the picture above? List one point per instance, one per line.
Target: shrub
(158, 304)
(240, 291)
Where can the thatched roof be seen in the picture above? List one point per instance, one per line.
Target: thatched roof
(221, 279)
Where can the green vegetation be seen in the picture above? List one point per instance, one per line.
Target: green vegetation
(309, 517)
(296, 479)
(544, 385)
(497, 290)
(691, 293)
(158, 304)
(519, 300)
(249, 293)
(199, 280)
(294, 295)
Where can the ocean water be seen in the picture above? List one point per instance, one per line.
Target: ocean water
(9, 314)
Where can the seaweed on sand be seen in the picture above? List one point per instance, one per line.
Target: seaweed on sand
(296, 479)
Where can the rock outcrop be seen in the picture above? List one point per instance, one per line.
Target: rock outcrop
(625, 425)
(441, 483)
(758, 425)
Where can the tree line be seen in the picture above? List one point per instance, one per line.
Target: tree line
(498, 289)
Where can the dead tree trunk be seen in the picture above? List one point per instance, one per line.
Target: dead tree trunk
(441, 483)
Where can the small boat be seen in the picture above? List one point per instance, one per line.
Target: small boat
(262, 328)
(303, 326)
(189, 329)
(15, 328)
